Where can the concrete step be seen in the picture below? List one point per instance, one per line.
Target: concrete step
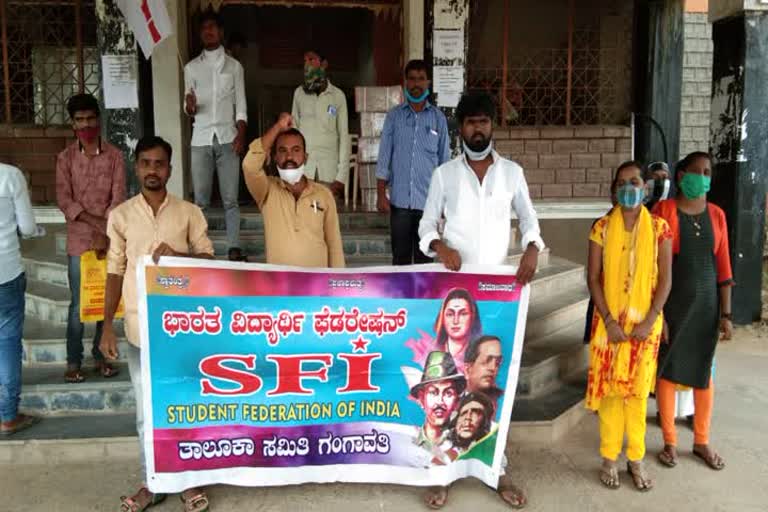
(46, 301)
(549, 361)
(44, 392)
(547, 418)
(44, 343)
(557, 312)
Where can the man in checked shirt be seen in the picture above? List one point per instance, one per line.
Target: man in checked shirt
(413, 144)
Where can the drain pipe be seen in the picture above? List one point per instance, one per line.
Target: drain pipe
(658, 127)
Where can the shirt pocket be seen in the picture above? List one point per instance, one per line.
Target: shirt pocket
(329, 116)
(225, 85)
(431, 140)
(499, 207)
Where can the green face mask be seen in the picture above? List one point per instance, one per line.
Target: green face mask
(695, 185)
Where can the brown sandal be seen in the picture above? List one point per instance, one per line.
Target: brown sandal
(132, 504)
(196, 503)
(74, 376)
(21, 422)
(667, 458)
(105, 369)
(436, 497)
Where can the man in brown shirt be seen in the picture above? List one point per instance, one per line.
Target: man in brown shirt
(90, 182)
(157, 223)
(301, 225)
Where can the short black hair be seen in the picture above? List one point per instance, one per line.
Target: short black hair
(416, 65)
(625, 165)
(151, 142)
(210, 15)
(473, 350)
(683, 164)
(291, 131)
(81, 102)
(475, 104)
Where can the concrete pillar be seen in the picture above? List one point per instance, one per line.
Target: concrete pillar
(168, 89)
(122, 127)
(739, 129)
(697, 79)
(413, 29)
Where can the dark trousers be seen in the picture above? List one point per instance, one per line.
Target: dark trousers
(404, 228)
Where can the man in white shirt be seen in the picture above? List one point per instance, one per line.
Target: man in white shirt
(16, 217)
(320, 113)
(476, 192)
(215, 98)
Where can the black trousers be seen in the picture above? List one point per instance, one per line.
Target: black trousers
(404, 228)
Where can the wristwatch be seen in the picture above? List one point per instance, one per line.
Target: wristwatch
(726, 316)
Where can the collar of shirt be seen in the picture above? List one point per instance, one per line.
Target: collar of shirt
(407, 106)
(213, 57)
(309, 189)
(82, 149)
(494, 156)
(148, 208)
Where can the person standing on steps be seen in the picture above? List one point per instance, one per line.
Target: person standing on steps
(90, 182)
(476, 193)
(414, 143)
(16, 217)
(159, 224)
(215, 99)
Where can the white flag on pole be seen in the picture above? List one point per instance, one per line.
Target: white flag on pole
(148, 20)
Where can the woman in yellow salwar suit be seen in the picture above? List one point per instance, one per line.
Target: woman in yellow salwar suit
(630, 260)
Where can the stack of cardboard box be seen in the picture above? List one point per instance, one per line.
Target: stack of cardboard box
(372, 103)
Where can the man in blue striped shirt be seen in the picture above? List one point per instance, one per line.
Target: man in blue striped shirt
(413, 144)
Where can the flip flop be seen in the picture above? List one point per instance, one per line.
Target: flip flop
(712, 460)
(24, 422)
(667, 459)
(132, 505)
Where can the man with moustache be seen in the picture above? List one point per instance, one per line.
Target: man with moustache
(301, 225)
(475, 194)
(152, 223)
(414, 143)
(481, 366)
(438, 394)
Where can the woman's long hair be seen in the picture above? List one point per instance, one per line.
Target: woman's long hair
(475, 329)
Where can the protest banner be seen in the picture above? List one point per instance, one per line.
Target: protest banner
(259, 375)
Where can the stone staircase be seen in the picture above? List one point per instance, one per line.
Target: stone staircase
(549, 392)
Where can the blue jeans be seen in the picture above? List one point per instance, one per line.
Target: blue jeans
(75, 329)
(11, 324)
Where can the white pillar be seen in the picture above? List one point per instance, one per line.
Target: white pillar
(413, 29)
(168, 88)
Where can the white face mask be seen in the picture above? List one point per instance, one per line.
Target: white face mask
(291, 176)
(477, 155)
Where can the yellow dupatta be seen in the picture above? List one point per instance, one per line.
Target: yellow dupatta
(627, 368)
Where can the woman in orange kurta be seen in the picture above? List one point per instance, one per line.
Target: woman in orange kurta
(630, 256)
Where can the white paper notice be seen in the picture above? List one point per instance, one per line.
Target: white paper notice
(120, 81)
(448, 84)
(448, 44)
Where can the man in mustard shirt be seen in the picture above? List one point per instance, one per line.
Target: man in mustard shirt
(301, 225)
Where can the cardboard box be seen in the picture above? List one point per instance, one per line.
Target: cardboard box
(378, 99)
(368, 150)
(367, 175)
(372, 123)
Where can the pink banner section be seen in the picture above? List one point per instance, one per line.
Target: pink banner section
(204, 448)
(212, 282)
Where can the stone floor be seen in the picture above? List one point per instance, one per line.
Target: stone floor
(561, 477)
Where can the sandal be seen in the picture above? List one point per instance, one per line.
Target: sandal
(711, 458)
(667, 458)
(105, 369)
(21, 422)
(74, 376)
(639, 476)
(436, 497)
(609, 476)
(512, 496)
(197, 502)
(133, 505)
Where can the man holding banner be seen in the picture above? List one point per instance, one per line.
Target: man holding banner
(475, 193)
(158, 224)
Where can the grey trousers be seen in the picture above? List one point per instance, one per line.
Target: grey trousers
(223, 159)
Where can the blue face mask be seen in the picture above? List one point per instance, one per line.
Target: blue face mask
(630, 196)
(412, 99)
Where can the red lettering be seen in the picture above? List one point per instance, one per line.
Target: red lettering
(290, 373)
(213, 366)
(358, 372)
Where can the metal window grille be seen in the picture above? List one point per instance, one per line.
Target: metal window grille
(49, 53)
